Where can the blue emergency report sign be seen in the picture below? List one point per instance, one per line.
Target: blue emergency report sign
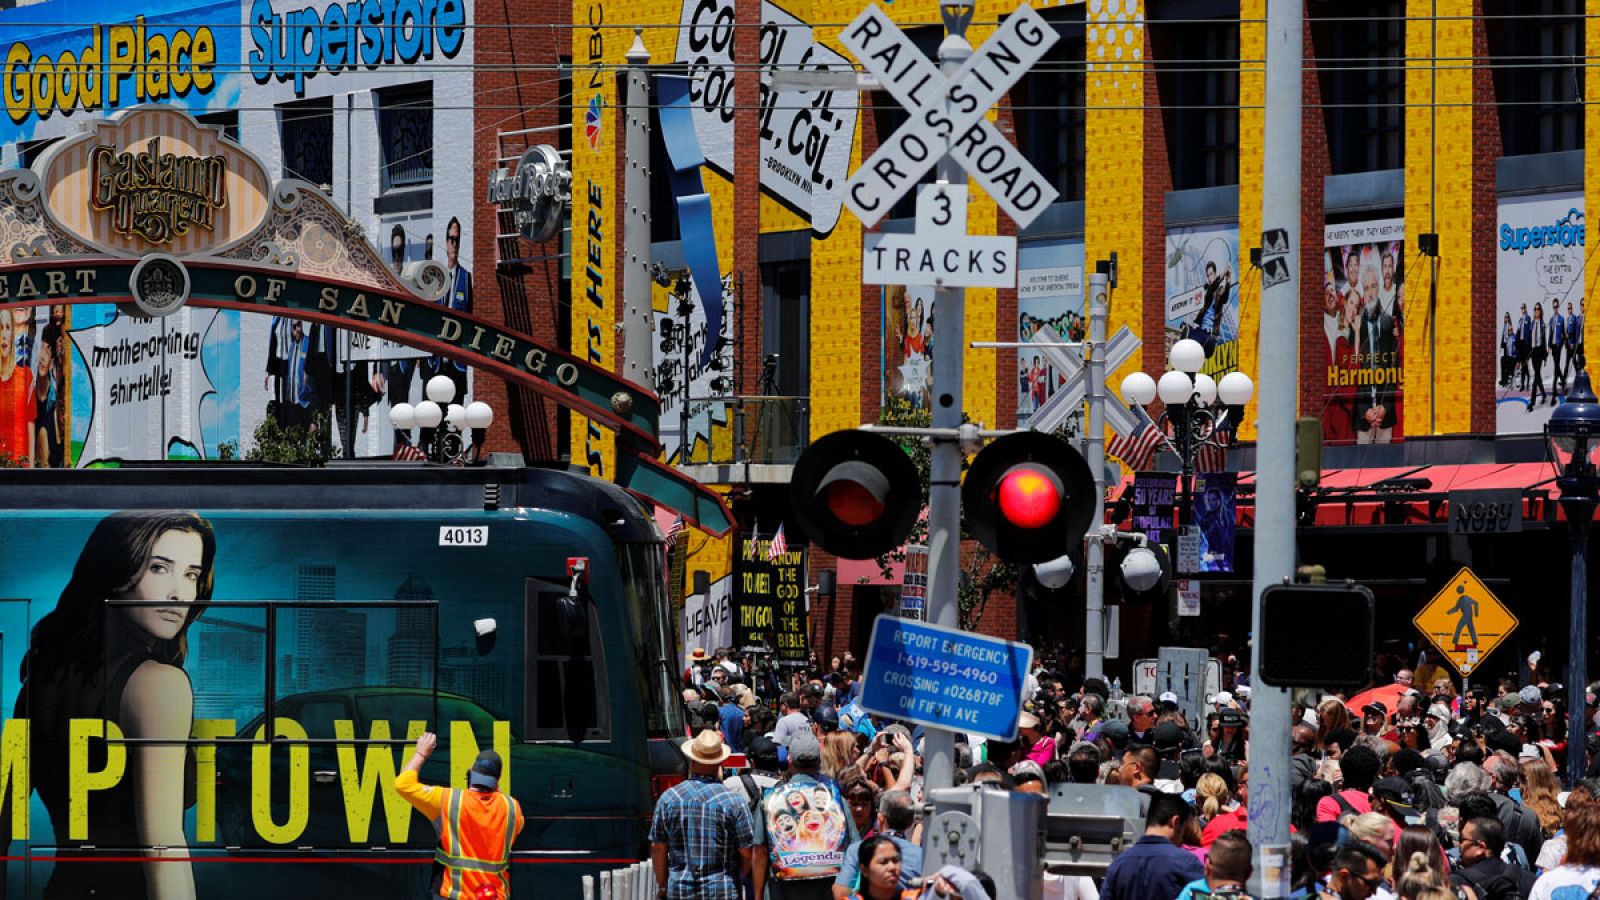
(945, 678)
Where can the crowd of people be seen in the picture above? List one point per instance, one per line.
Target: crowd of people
(1414, 789)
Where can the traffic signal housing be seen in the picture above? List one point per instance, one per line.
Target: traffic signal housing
(1029, 498)
(1337, 652)
(856, 494)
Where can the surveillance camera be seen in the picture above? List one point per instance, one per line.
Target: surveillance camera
(1141, 570)
(1056, 573)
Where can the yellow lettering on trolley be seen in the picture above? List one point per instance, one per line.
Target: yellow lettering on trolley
(80, 781)
(374, 775)
(14, 773)
(464, 749)
(205, 774)
(299, 784)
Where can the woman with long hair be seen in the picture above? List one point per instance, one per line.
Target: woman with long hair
(1212, 797)
(838, 751)
(1539, 790)
(1579, 873)
(113, 649)
(1553, 725)
(1332, 715)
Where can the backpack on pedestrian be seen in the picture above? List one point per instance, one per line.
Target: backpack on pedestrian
(807, 826)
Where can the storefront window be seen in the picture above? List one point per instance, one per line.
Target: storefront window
(405, 132)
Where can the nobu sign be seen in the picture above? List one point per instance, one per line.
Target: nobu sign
(947, 115)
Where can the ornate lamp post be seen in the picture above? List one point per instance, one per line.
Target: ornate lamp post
(446, 444)
(1572, 437)
(1191, 418)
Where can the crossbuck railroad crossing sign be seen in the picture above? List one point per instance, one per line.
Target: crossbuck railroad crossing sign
(948, 117)
(1068, 397)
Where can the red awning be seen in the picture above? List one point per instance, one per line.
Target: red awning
(1409, 495)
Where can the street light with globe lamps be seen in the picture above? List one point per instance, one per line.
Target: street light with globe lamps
(446, 444)
(1572, 437)
(1191, 420)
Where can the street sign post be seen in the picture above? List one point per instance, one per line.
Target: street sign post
(947, 131)
(944, 677)
(1147, 677)
(1466, 621)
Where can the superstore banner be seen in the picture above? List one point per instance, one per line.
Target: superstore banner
(297, 44)
(1363, 317)
(1539, 259)
(172, 51)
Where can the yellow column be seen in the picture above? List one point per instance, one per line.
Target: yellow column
(1114, 166)
(1252, 151)
(1438, 383)
(836, 294)
(1591, 151)
(978, 367)
(596, 217)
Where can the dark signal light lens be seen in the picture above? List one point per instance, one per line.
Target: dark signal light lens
(1029, 496)
(851, 503)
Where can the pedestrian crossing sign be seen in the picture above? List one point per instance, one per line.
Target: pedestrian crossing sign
(1466, 621)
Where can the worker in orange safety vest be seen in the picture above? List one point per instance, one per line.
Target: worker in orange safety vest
(476, 826)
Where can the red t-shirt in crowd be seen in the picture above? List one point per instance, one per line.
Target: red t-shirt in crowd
(1328, 809)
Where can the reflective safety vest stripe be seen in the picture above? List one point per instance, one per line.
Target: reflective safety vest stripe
(475, 847)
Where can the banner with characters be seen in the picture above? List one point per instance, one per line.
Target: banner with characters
(1539, 259)
(908, 348)
(358, 647)
(1203, 293)
(1049, 310)
(1363, 315)
(1213, 502)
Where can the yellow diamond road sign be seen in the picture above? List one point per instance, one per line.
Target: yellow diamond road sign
(1465, 621)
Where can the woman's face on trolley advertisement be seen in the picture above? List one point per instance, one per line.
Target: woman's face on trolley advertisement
(167, 584)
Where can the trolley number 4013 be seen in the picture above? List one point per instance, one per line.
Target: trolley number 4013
(463, 535)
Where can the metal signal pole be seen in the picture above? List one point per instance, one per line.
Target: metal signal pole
(1275, 468)
(1094, 644)
(944, 481)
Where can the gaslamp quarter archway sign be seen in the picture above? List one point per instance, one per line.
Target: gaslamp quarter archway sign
(151, 208)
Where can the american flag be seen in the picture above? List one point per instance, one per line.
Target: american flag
(751, 542)
(408, 452)
(1210, 458)
(778, 547)
(1137, 449)
(673, 532)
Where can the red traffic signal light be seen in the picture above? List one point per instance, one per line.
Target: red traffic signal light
(856, 494)
(1028, 497)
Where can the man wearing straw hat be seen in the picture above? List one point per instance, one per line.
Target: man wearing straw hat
(701, 835)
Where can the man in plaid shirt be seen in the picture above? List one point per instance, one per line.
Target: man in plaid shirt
(701, 835)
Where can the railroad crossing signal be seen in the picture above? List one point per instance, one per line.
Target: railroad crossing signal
(1466, 621)
(1068, 398)
(947, 115)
